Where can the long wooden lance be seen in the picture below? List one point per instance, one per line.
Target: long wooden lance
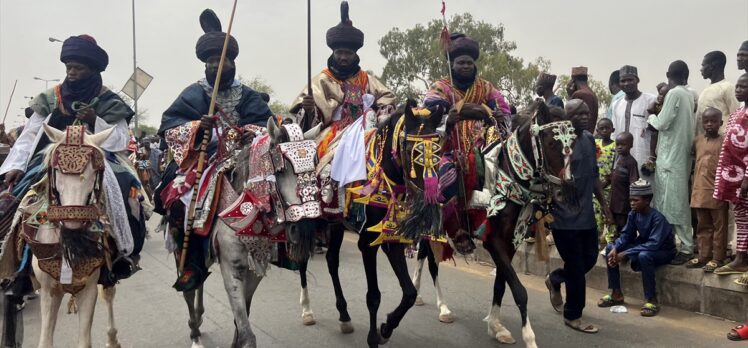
(445, 42)
(203, 148)
(308, 119)
(10, 100)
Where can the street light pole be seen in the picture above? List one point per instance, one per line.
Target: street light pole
(134, 69)
(46, 81)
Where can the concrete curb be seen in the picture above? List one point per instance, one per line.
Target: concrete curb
(677, 286)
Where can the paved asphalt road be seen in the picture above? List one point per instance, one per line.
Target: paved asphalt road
(151, 314)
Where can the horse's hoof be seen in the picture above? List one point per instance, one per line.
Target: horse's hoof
(419, 301)
(308, 319)
(446, 318)
(346, 327)
(383, 340)
(505, 339)
(113, 345)
(197, 344)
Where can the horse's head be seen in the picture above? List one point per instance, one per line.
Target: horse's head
(294, 157)
(75, 168)
(420, 149)
(552, 139)
(419, 152)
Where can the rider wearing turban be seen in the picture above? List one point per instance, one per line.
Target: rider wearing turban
(239, 110)
(478, 114)
(83, 99)
(341, 94)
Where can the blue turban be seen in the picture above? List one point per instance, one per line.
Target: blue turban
(83, 49)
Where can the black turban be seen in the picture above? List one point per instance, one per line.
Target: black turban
(211, 43)
(83, 49)
(461, 45)
(345, 35)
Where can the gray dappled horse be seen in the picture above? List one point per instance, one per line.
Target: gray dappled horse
(242, 262)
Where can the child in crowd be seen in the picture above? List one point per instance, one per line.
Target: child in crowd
(711, 230)
(606, 148)
(625, 172)
(648, 241)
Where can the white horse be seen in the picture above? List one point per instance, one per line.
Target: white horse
(71, 190)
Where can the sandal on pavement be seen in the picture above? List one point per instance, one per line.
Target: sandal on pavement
(727, 270)
(695, 263)
(608, 301)
(738, 333)
(743, 280)
(577, 324)
(649, 310)
(713, 265)
(556, 300)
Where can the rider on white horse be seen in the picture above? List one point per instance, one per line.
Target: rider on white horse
(241, 114)
(83, 99)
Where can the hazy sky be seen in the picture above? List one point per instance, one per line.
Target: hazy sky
(601, 34)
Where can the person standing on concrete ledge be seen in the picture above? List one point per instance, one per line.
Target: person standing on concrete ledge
(648, 241)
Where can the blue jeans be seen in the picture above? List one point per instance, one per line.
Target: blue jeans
(645, 262)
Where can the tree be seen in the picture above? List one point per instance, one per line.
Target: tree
(598, 87)
(415, 59)
(258, 84)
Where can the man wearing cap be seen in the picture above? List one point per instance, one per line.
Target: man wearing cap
(341, 94)
(544, 88)
(675, 128)
(630, 113)
(647, 241)
(720, 94)
(579, 89)
(240, 115)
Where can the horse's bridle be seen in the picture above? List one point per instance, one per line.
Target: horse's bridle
(302, 154)
(564, 133)
(425, 152)
(71, 157)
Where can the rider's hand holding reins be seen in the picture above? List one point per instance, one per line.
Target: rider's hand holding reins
(86, 114)
(12, 177)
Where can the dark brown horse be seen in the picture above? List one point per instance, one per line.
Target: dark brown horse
(545, 142)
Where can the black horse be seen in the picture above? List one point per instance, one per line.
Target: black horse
(396, 166)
